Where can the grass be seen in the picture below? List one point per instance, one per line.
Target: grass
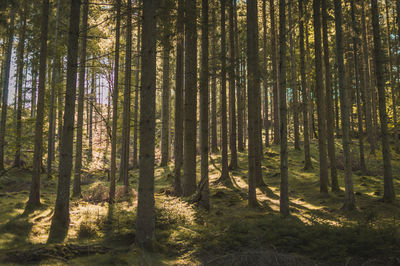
(230, 233)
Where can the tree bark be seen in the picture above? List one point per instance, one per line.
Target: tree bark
(232, 93)
(137, 89)
(76, 189)
(115, 103)
(34, 195)
(60, 221)
(253, 84)
(126, 122)
(145, 222)
(275, 74)
(284, 191)
(179, 83)
(204, 191)
(349, 202)
(389, 193)
(329, 100)
(189, 159)
(224, 131)
(323, 171)
(214, 136)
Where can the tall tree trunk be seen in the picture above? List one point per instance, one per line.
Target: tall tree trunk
(60, 106)
(33, 92)
(284, 191)
(214, 138)
(115, 103)
(189, 158)
(367, 88)
(323, 171)
(20, 75)
(224, 134)
(232, 93)
(179, 83)
(391, 80)
(357, 90)
(204, 191)
(293, 80)
(349, 202)
(307, 156)
(145, 222)
(253, 84)
(126, 125)
(91, 101)
(34, 195)
(265, 73)
(76, 189)
(389, 193)
(329, 100)
(136, 111)
(54, 80)
(166, 90)
(240, 87)
(274, 55)
(60, 221)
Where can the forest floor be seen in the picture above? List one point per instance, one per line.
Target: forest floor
(318, 231)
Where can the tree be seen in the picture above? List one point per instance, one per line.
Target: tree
(265, 73)
(323, 171)
(76, 191)
(189, 158)
(178, 144)
(274, 55)
(127, 101)
(329, 100)
(232, 93)
(284, 192)
(115, 104)
(136, 110)
(307, 156)
(388, 193)
(20, 74)
(34, 195)
(165, 17)
(214, 141)
(204, 191)
(253, 83)
(60, 220)
(349, 200)
(293, 80)
(54, 78)
(145, 221)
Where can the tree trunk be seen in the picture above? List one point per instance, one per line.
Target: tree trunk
(293, 80)
(265, 73)
(179, 83)
(329, 100)
(349, 202)
(224, 134)
(34, 195)
(240, 87)
(363, 166)
(91, 101)
(204, 191)
(214, 139)
(54, 80)
(367, 89)
(126, 125)
(275, 74)
(60, 221)
(145, 222)
(253, 84)
(115, 104)
(166, 90)
(20, 75)
(189, 158)
(76, 189)
(389, 193)
(307, 156)
(232, 94)
(136, 111)
(284, 191)
(323, 171)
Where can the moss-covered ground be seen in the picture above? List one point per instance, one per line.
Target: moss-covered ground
(318, 231)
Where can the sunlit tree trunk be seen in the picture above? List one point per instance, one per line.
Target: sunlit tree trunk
(145, 222)
(60, 220)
